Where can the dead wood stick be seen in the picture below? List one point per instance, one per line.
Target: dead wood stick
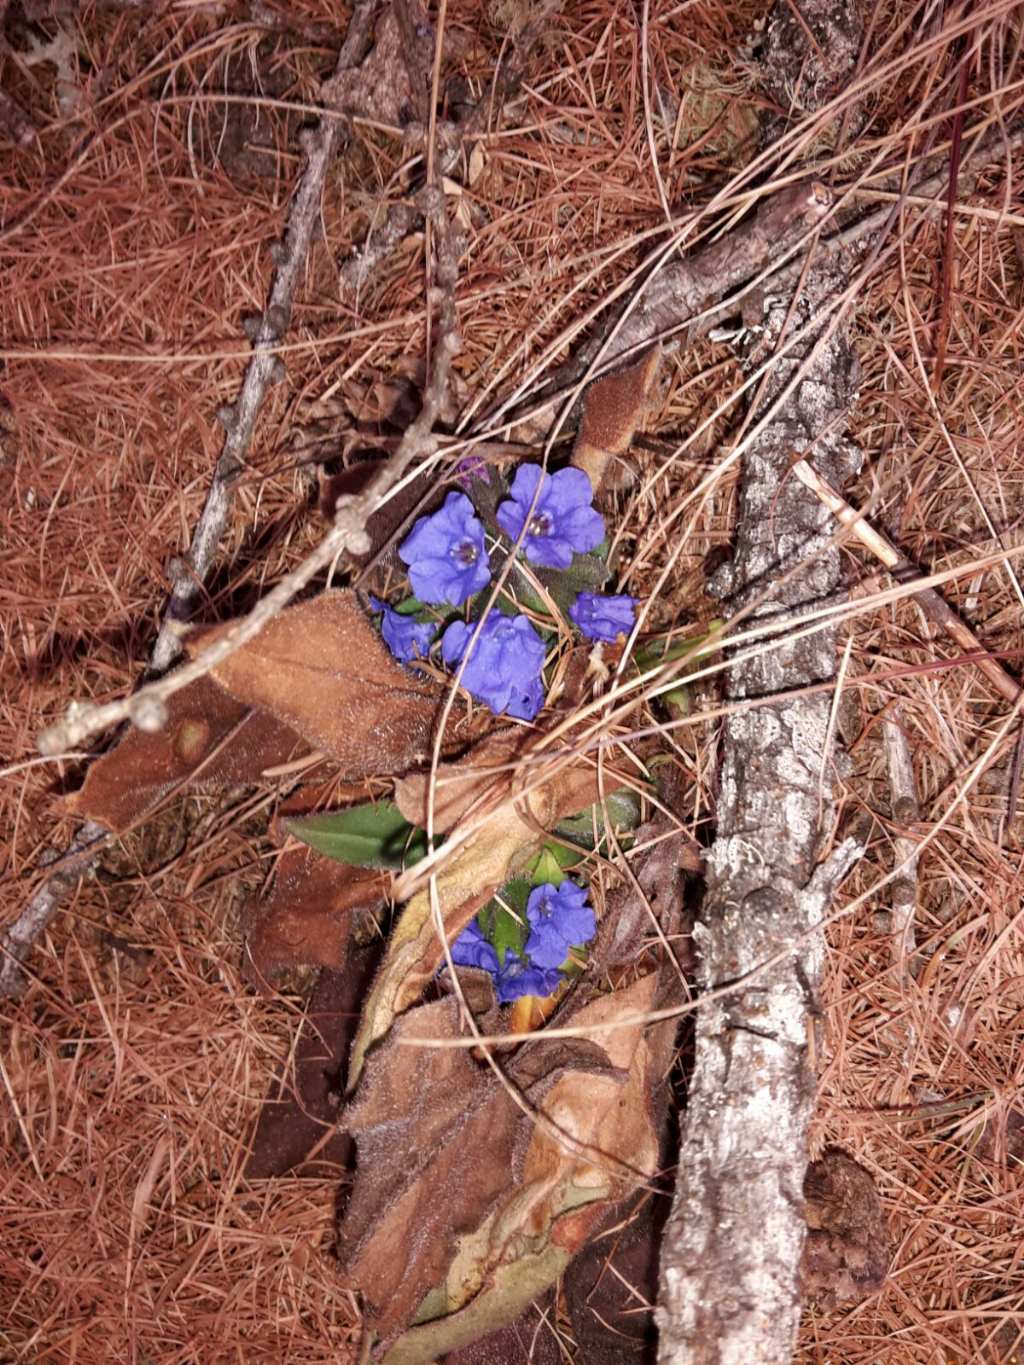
(932, 604)
(712, 283)
(730, 1288)
(264, 367)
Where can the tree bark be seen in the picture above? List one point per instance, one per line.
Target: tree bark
(730, 1293)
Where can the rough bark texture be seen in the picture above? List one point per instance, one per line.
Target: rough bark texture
(732, 1247)
(730, 1290)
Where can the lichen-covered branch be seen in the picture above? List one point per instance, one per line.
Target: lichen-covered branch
(730, 1291)
(732, 1245)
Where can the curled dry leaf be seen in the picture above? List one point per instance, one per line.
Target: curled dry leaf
(322, 669)
(459, 785)
(613, 408)
(297, 1126)
(435, 1137)
(500, 833)
(665, 854)
(317, 678)
(388, 521)
(209, 738)
(379, 87)
(465, 884)
(501, 1202)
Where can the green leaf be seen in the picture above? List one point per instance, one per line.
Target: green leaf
(409, 606)
(549, 865)
(586, 573)
(656, 652)
(503, 919)
(623, 811)
(374, 835)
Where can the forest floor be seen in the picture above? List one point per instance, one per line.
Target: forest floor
(138, 220)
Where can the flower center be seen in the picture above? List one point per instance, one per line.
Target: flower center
(465, 552)
(541, 525)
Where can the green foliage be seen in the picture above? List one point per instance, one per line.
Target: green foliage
(550, 864)
(621, 809)
(655, 653)
(503, 919)
(374, 835)
(586, 573)
(409, 606)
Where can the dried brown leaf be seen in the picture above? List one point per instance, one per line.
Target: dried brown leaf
(500, 1202)
(321, 668)
(387, 522)
(297, 1127)
(460, 784)
(206, 730)
(611, 1115)
(613, 409)
(846, 1254)
(435, 1136)
(380, 87)
(627, 924)
(465, 884)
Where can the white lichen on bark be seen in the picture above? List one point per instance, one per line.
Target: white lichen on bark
(732, 1246)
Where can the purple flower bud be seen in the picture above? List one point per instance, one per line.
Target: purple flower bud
(406, 637)
(603, 618)
(505, 664)
(472, 467)
(446, 554)
(559, 523)
(560, 919)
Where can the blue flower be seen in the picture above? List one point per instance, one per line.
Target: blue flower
(560, 522)
(504, 667)
(446, 554)
(471, 949)
(603, 618)
(560, 919)
(519, 977)
(406, 637)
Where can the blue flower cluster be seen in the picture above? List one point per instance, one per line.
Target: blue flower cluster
(559, 919)
(448, 563)
(446, 554)
(603, 618)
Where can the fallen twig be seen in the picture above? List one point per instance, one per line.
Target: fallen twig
(932, 604)
(730, 1287)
